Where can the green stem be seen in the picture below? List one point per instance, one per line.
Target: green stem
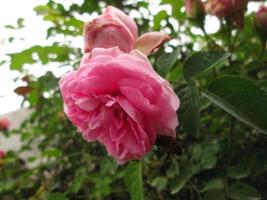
(229, 39)
(264, 43)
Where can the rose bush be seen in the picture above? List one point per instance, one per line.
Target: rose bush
(119, 100)
(115, 28)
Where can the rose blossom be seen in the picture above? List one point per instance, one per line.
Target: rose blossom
(115, 28)
(261, 18)
(233, 10)
(4, 124)
(194, 8)
(118, 99)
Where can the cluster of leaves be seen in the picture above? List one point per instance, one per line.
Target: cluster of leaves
(220, 151)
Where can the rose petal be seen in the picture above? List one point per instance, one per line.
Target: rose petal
(150, 42)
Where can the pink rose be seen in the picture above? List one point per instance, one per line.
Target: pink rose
(261, 18)
(232, 10)
(118, 99)
(194, 8)
(114, 28)
(4, 124)
(2, 154)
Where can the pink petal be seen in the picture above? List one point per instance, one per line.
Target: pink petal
(150, 42)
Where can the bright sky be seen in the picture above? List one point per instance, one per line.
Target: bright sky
(34, 33)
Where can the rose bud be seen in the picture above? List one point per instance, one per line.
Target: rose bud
(261, 18)
(114, 28)
(232, 10)
(194, 9)
(117, 98)
(4, 124)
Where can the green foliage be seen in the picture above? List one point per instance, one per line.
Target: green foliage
(134, 180)
(241, 98)
(54, 53)
(202, 61)
(166, 62)
(189, 111)
(222, 155)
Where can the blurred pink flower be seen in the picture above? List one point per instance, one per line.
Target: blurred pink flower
(2, 154)
(194, 8)
(232, 10)
(118, 99)
(261, 18)
(114, 28)
(4, 124)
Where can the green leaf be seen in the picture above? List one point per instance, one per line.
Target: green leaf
(160, 182)
(44, 54)
(52, 153)
(214, 184)
(203, 61)
(241, 98)
(20, 22)
(187, 170)
(56, 196)
(189, 109)
(215, 195)
(158, 18)
(134, 180)
(242, 191)
(238, 171)
(77, 183)
(9, 27)
(166, 61)
(208, 160)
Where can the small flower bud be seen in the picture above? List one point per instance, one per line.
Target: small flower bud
(194, 9)
(261, 18)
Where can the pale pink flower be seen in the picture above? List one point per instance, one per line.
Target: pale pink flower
(117, 98)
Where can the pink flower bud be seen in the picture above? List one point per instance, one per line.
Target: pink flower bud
(232, 10)
(194, 8)
(261, 18)
(4, 124)
(112, 28)
(115, 29)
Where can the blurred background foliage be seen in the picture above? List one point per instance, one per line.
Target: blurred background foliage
(216, 155)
